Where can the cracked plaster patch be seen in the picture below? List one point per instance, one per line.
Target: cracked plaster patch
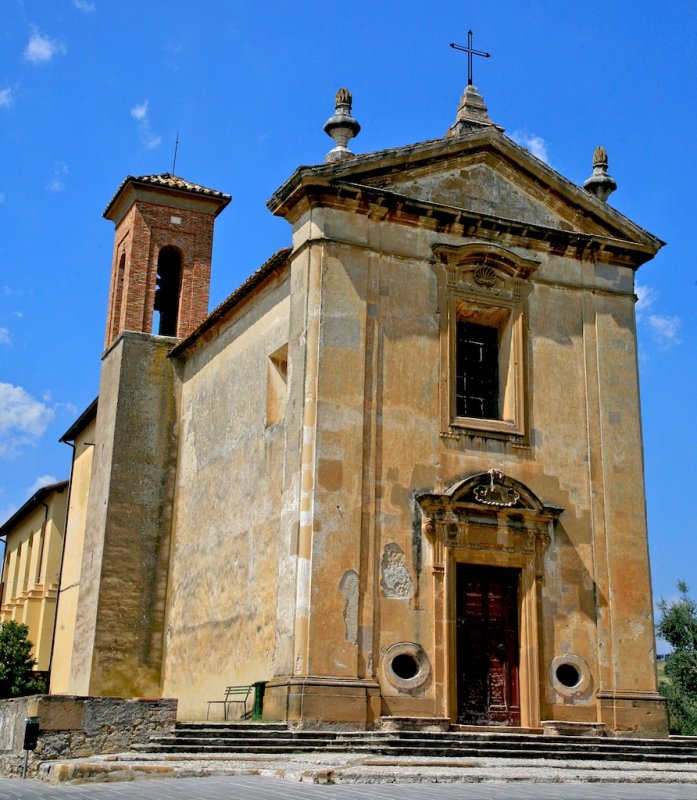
(395, 580)
(348, 586)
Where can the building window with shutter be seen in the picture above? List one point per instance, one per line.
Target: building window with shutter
(483, 294)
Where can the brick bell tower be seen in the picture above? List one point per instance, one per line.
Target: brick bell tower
(160, 285)
(160, 279)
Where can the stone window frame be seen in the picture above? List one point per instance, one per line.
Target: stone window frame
(489, 285)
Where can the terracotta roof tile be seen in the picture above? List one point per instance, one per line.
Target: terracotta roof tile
(278, 259)
(169, 181)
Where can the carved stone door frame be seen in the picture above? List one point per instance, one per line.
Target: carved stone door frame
(489, 519)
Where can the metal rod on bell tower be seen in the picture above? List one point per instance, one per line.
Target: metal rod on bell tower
(174, 161)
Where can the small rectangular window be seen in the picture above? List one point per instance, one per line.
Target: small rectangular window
(276, 384)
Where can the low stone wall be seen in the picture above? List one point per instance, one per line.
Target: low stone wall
(75, 727)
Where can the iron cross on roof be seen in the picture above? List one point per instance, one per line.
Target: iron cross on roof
(470, 52)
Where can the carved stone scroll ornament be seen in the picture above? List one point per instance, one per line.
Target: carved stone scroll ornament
(488, 512)
(495, 493)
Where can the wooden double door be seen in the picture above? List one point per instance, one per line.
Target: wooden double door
(488, 690)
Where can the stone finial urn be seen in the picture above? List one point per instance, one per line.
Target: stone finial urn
(341, 126)
(600, 183)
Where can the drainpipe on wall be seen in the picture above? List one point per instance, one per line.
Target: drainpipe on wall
(3, 539)
(42, 541)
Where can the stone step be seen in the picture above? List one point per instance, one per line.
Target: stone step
(264, 729)
(436, 741)
(459, 752)
(527, 737)
(569, 743)
(349, 770)
(233, 744)
(235, 726)
(239, 738)
(209, 733)
(321, 742)
(552, 753)
(429, 743)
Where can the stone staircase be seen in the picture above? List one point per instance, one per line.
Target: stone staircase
(277, 739)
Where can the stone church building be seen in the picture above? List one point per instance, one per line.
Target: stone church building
(397, 473)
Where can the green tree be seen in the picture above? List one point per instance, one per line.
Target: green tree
(678, 626)
(17, 677)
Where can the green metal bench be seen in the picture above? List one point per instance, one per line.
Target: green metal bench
(233, 694)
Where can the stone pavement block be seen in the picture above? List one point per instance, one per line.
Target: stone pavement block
(261, 788)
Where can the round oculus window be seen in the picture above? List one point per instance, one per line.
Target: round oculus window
(569, 675)
(406, 666)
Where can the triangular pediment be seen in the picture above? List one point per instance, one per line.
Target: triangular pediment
(482, 172)
(474, 185)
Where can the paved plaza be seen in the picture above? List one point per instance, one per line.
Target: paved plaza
(261, 788)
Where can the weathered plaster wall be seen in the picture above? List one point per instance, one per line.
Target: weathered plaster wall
(378, 444)
(221, 615)
(119, 625)
(72, 560)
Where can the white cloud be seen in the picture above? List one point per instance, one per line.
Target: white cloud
(40, 482)
(5, 98)
(84, 5)
(646, 297)
(5, 336)
(60, 173)
(532, 142)
(139, 112)
(68, 408)
(151, 141)
(665, 329)
(22, 419)
(41, 49)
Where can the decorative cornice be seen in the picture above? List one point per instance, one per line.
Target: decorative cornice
(398, 208)
(379, 166)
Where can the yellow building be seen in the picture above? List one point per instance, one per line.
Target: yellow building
(397, 473)
(33, 538)
(80, 436)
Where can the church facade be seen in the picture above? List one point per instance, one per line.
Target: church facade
(397, 473)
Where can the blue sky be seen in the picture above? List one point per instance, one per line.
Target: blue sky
(91, 91)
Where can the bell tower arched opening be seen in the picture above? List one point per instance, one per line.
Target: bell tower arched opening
(167, 291)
